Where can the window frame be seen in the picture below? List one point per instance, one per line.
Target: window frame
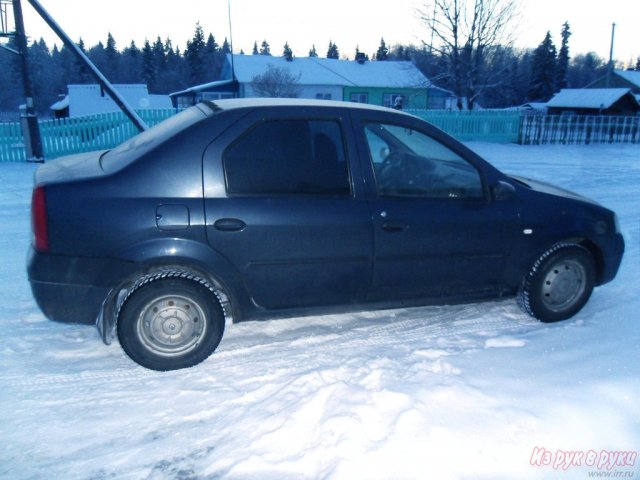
(360, 95)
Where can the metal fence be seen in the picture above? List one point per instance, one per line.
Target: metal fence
(572, 129)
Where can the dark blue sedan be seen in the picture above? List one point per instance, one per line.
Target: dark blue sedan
(261, 208)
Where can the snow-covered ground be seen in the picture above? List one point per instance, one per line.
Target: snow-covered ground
(470, 391)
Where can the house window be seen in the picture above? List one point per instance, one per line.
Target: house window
(323, 96)
(360, 97)
(394, 100)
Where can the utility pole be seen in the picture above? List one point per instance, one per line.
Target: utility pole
(102, 80)
(610, 66)
(29, 119)
(233, 70)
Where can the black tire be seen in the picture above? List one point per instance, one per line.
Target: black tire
(559, 284)
(170, 323)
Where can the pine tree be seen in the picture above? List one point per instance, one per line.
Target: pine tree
(226, 48)
(195, 57)
(638, 64)
(131, 64)
(265, 49)
(313, 53)
(112, 64)
(563, 58)
(255, 49)
(149, 71)
(332, 51)
(99, 58)
(211, 46)
(172, 77)
(383, 52)
(43, 82)
(287, 52)
(211, 55)
(544, 71)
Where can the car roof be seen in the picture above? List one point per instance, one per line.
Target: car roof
(236, 103)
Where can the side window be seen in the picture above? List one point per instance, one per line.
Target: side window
(288, 157)
(407, 162)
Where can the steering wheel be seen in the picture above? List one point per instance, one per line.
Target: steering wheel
(391, 171)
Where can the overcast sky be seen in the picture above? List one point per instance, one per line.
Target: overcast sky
(349, 23)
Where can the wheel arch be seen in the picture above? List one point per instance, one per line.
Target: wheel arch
(177, 258)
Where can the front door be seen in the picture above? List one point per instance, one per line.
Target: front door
(436, 231)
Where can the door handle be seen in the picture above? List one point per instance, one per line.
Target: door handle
(394, 227)
(229, 225)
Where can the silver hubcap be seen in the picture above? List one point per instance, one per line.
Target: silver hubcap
(563, 285)
(171, 325)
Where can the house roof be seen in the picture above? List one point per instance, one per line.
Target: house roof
(588, 97)
(90, 99)
(325, 71)
(204, 86)
(631, 76)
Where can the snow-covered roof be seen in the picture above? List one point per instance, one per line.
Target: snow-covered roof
(539, 106)
(587, 97)
(325, 71)
(90, 99)
(632, 76)
(61, 104)
(204, 86)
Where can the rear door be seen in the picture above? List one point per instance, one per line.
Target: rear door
(282, 207)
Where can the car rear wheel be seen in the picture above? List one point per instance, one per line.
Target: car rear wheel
(559, 284)
(170, 323)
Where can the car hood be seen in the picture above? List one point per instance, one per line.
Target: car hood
(544, 187)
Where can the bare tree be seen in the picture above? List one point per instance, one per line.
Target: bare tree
(276, 82)
(467, 33)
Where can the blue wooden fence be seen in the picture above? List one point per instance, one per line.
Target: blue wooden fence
(98, 132)
(499, 126)
(75, 135)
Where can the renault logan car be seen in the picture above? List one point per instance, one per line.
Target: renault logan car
(254, 208)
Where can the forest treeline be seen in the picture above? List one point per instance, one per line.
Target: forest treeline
(522, 75)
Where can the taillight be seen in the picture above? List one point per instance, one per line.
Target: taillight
(39, 219)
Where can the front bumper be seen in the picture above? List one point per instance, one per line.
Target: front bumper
(612, 258)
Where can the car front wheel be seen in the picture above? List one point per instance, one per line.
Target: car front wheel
(559, 284)
(170, 323)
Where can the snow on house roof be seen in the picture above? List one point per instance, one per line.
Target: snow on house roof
(90, 99)
(203, 86)
(587, 97)
(325, 71)
(61, 104)
(632, 76)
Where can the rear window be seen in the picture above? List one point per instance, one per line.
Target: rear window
(146, 141)
(288, 157)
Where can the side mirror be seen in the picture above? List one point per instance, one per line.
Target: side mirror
(503, 191)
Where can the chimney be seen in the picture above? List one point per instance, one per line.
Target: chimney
(361, 58)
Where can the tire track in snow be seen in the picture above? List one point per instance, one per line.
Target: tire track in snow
(448, 329)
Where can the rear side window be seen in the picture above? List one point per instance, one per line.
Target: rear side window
(288, 157)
